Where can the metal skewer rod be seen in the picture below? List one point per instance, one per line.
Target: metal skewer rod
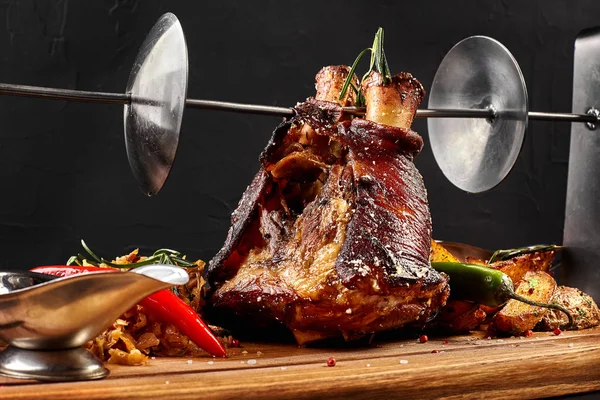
(124, 98)
(239, 107)
(546, 116)
(82, 96)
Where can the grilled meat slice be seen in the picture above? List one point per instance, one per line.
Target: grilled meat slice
(333, 235)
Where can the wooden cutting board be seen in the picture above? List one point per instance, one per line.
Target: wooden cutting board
(465, 367)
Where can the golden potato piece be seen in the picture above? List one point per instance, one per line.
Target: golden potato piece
(440, 254)
(518, 266)
(459, 316)
(476, 261)
(516, 317)
(580, 305)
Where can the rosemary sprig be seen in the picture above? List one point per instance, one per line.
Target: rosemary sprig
(378, 64)
(348, 81)
(90, 252)
(160, 256)
(378, 60)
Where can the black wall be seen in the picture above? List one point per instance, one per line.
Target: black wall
(63, 169)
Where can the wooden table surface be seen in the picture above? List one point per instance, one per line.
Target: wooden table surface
(466, 367)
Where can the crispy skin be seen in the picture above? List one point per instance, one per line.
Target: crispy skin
(333, 236)
(517, 267)
(315, 264)
(390, 205)
(459, 316)
(329, 82)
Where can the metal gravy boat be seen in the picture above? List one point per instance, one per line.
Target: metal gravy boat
(45, 320)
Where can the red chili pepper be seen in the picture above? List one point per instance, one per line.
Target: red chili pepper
(68, 270)
(164, 305)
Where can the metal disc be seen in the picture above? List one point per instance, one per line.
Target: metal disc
(158, 88)
(478, 73)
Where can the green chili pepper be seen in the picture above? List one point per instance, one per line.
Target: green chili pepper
(501, 255)
(485, 286)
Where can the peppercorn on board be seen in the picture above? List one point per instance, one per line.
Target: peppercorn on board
(542, 365)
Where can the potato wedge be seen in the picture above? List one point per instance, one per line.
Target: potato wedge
(518, 266)
(517, 317)
(440, 254)
(489, 310)
(581, 306)
(476, 261)
(460, 316)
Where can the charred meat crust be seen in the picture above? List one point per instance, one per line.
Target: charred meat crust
(391, 228)
(242, 217)
(381, 158)
(324, 117)
(329, 82)
(321, 115)
(351, 257)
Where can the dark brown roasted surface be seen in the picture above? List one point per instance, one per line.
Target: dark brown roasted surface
(333, 234)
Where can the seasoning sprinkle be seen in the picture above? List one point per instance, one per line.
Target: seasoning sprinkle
(557, 331)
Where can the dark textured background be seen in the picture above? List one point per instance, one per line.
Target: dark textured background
(63, 169)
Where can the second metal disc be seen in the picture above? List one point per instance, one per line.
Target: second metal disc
(478, 73)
